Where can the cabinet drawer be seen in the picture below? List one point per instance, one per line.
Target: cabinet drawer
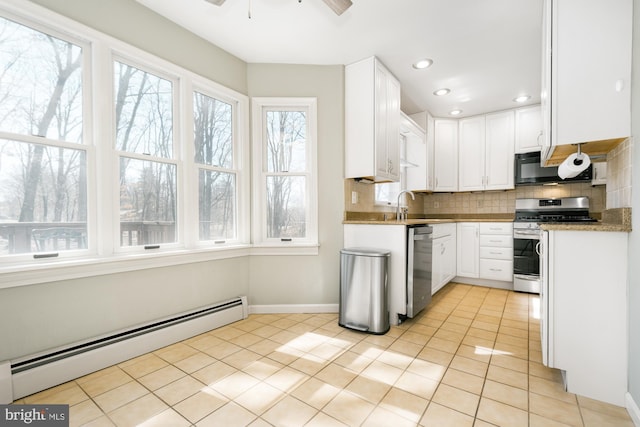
(496, 253)
(496, 228)
(496, 240)
(440, 230)
(496, 269)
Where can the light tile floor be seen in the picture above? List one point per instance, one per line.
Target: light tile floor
(471, 359)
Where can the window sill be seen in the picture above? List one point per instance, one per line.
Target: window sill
(30, 274)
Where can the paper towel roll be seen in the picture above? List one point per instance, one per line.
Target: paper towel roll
(573, 165)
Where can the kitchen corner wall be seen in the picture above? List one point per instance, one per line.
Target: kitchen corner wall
(619, 167)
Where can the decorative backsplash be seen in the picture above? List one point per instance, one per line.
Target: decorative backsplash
(484, 202)
(619, 164)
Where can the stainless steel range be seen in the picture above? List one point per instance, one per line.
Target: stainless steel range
(526, 234)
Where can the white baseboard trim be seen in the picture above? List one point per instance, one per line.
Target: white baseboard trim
(632, 409)
(293, 308)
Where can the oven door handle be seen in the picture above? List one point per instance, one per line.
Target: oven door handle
(538, 251)
(526, 234)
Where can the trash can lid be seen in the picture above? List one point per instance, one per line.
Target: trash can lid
(374, 252)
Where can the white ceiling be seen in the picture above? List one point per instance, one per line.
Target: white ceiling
(486, 51)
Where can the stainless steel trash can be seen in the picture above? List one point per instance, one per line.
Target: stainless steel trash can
(363, 290)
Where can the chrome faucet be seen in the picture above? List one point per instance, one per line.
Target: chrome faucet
(413, 197)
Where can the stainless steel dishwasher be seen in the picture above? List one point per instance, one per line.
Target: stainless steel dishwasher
(419, 268)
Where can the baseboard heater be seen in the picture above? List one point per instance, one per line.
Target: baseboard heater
(28, 375)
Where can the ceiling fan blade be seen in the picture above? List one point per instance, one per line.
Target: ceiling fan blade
(338, 6)
(217, 2)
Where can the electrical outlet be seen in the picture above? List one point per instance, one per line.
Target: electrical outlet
(354, 197)
(436, 205)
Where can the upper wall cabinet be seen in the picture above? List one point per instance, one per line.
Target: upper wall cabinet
(528, 129)
(416, 154)
(445, 168)
(586, 76)
(486, 149)
(372, 122)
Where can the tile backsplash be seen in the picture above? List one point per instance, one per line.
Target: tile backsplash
(619, 164)
(484, 202)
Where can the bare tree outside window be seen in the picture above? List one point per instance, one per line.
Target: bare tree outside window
(43, 194)
(286, 163)
(213, 140)
(144, 126)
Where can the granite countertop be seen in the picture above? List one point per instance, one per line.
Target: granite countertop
(379, 218)
(618, 219)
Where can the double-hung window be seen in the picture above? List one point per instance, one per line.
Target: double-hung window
(285, 200)
(147, 164)
(216, 161)
(43, 149)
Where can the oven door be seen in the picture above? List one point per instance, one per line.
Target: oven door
(526, 261)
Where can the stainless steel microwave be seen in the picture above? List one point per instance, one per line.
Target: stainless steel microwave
(528, 171)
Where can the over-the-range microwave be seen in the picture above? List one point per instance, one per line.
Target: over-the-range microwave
(528, 171)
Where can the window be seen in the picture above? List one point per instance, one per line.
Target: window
(43, 162)
(214, 156)
(285, 171)
(161, 171)
(147, 169)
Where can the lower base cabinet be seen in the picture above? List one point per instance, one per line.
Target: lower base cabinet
(444, 255)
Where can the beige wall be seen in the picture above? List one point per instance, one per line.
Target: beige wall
(307, 279)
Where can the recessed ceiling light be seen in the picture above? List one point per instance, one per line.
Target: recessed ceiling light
(422, 64)
(455, 112)
(441, 92)
(522, 98)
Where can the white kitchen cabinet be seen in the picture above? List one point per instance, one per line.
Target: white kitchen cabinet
(372, 122)
(528, 129)
(426, 121)
(468, 249)
(496, 251)
(586, 80)
(583, 318)
(471, 149)
(444, 255)
(485, 252)
(445, 155)
(486, 150)
(416, 156)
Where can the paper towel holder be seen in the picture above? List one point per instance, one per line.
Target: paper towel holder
(574, 164)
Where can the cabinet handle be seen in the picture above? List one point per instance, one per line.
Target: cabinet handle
(495, 269)
(495, 228)
(495, 253)
(538, 139)
(495, 241)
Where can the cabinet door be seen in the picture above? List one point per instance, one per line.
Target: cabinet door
(416, 155)
(471, 149)
(437, 266)
(449, 259)
(393, 127)
(528, 129)
(591, 99)
(500, 134)
(381, 107)
(446, 155)
(467, 249)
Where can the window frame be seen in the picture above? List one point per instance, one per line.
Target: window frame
(103, 256)
(275, 246)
